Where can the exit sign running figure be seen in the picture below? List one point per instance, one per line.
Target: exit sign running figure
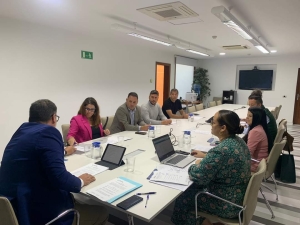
(86, 55)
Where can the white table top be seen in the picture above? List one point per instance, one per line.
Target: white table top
(148, 160)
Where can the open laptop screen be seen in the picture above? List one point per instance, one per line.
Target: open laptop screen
(163, 147)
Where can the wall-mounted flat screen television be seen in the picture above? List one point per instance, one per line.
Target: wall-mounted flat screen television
(255, 79)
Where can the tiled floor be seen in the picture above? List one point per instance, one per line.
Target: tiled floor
(287, 209)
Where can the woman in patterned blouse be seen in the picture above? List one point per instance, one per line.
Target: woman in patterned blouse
(224, 171)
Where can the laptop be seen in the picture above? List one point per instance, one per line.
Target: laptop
(112, 156)
(167, 155)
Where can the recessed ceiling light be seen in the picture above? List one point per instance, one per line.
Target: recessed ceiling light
(273, 51)
(222, 53)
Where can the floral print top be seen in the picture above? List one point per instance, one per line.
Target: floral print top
(225, 170)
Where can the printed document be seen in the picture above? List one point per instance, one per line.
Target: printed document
(91, 168)
(171, 177)
(114, 189)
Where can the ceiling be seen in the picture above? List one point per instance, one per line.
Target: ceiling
(276, 21)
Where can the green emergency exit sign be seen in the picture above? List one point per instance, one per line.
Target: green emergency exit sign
(86, 55)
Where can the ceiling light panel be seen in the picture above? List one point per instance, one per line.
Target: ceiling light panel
(196, 52)
(149, 39)
(262, 49)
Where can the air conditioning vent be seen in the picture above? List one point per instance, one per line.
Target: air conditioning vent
(170, 11)
(235, 47)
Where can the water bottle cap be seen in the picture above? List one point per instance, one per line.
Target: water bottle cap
(191, 114)
(96, 144)
(187, 132)
(151, 128)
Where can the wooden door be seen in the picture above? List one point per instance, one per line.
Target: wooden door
(296, 119)
(162, 81)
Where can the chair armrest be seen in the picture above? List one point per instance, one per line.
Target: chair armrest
(77, 215)
(217, 197)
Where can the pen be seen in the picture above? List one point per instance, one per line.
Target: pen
(149, 193)
(147, 201)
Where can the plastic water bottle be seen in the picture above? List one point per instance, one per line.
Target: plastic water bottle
(96, 150)
(187, 137)
(151, 132)
(191, 117)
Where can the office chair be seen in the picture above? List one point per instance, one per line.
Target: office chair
(212, 104)
(65, 130)
(191, 109)
(8, 216)
(199, 107)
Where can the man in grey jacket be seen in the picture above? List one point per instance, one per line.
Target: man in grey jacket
(152, 113)
(128, 116)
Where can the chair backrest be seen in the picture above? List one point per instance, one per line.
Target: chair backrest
(7, 214)
(217, 98)
(191, 109)
(212, 104)
(273, 158)
(273, 113)
(283, 122)
(278, 111)
(250, 198)
(219, 102)
(107, 125)
(199, 107)
(65, 130)
(280, 131)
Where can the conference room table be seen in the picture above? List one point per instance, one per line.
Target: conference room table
(147, 161)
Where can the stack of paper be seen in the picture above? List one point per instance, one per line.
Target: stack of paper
(91, 168)
(114, 189)
(171, 177)
(202, 148)
(171, 169)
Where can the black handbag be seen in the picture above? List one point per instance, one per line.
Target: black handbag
(285, 170)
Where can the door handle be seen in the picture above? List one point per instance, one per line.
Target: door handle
(297, 97)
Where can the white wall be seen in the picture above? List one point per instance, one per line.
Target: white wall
(222, 75)
(40, 62)
(184, 79)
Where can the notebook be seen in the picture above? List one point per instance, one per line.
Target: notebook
(167, 155)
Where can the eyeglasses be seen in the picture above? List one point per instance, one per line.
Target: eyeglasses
(90, 110)
(57, 117)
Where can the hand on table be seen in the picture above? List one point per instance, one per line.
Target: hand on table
(198, 154)
(87, 178)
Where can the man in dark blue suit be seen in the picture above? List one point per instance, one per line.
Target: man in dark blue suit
(33, 174)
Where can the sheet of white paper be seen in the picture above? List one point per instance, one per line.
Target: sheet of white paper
(171, 177)
(174, 122)
(207, 132)
(196, 118)
(114, 139)
(111, 189)
(202, 148)
(91, 168)
(79, 148)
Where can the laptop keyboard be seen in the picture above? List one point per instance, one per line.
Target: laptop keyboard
(176, 159)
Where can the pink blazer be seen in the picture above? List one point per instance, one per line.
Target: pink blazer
(81, 130)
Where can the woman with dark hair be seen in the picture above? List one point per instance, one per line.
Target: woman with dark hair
(224, 171)
(87, 124)
(257, 138)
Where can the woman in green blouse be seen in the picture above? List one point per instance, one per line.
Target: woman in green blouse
(224, 171)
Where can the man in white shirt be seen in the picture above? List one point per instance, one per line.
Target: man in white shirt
(152, 113)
